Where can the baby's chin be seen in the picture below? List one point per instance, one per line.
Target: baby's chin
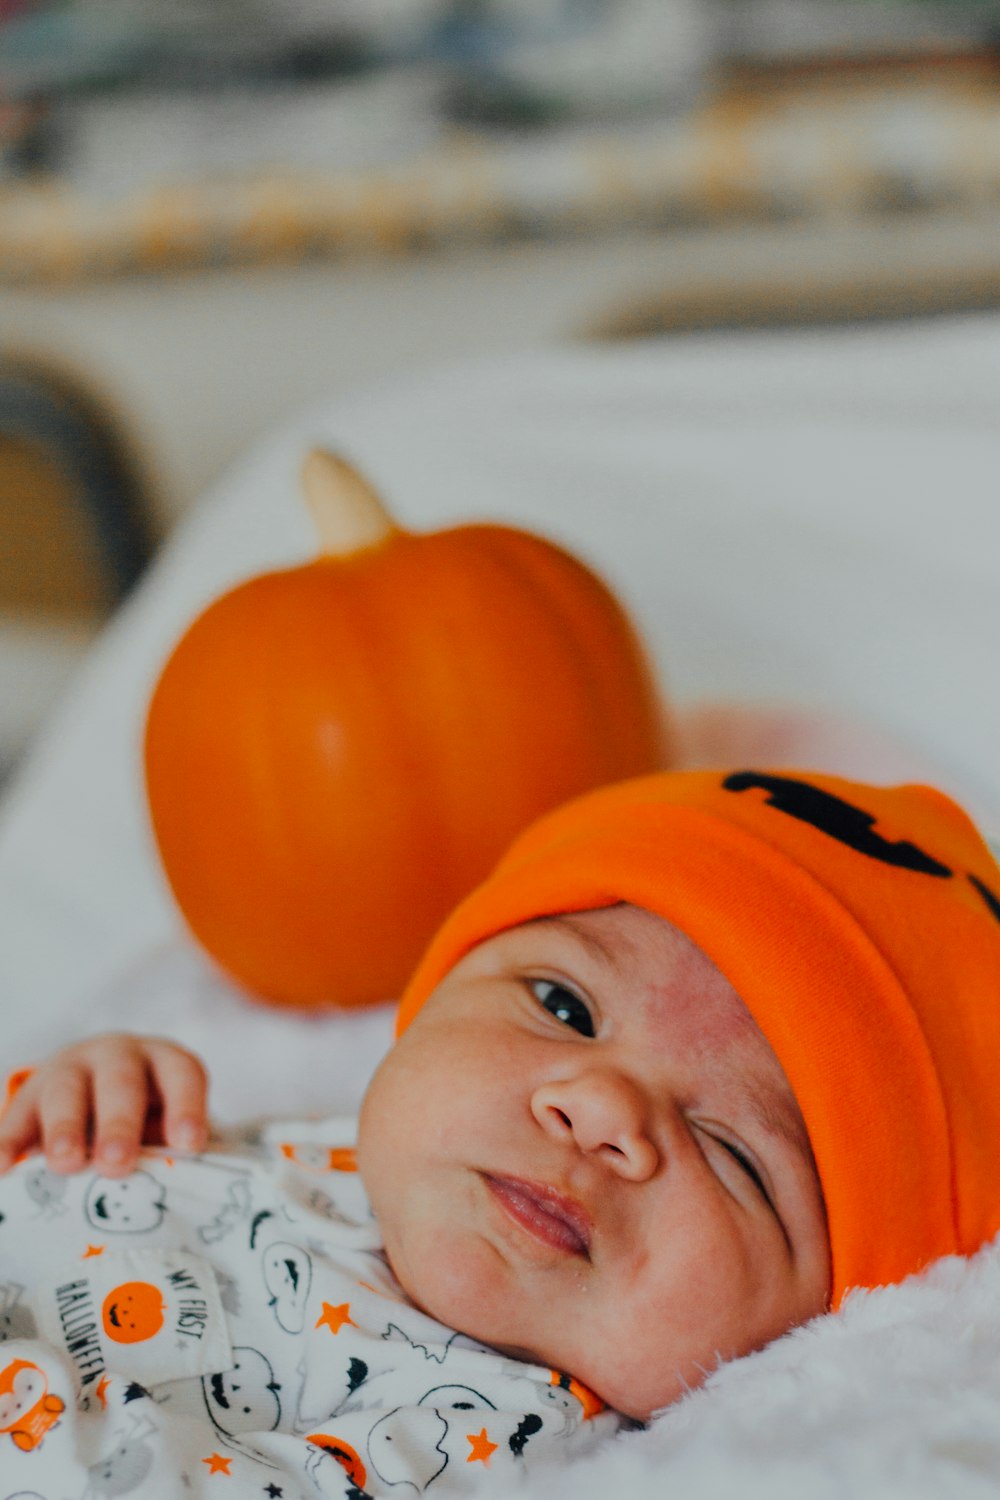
(617, 1389)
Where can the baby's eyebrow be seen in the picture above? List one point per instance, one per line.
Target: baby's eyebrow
(616, 955)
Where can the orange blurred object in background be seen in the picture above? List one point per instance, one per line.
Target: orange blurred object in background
(336, 753)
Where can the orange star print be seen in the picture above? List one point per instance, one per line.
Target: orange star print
(482, 1448)
(334, 1318)
(217, 1464)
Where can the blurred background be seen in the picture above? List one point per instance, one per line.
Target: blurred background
(214, 213)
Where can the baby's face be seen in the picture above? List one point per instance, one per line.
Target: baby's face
(584, 1152)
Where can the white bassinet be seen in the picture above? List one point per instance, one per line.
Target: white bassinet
(802, 520)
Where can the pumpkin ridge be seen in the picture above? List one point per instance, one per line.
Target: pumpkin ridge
(596, 630)
(385, 834)
(550, 687)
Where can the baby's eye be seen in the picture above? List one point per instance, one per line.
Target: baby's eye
(563, 1004)
(748, 1167)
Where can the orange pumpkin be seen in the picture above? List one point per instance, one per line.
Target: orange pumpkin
(133, 1312)
(337, 752)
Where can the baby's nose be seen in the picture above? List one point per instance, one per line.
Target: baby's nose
(605, 1115)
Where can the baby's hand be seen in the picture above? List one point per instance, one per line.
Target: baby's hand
(100, 1100)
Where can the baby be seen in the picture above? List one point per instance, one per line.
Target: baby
(705, 1052)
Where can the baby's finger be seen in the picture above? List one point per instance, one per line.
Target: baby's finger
(183, 1088)
(63, 1109)
(19, 1128)
(121, 1088)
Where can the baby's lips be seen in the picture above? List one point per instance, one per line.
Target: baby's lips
(548, 1203)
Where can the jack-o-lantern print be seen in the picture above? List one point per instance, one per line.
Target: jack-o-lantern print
(133, 1312)
(347, 1457)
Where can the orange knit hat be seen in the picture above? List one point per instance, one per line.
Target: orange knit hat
(860, 925)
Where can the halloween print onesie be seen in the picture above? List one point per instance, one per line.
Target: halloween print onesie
(228, 1323)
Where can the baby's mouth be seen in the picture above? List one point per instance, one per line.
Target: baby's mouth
(543, 1213)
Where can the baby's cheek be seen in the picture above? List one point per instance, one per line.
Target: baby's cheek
(649, 1362)
(443, 1271)
(686, 1308)
(377, 1160)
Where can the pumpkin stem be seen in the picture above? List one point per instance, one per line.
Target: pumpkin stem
(348, 513)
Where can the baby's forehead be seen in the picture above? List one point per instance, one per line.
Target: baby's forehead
(633, 941)
(613, 930)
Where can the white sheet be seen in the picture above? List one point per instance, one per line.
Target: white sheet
(809, 518)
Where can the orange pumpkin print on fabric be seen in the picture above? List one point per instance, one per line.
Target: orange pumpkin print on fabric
(592, 1404)
(27, 1410)
(133, 1312)
(345, 1455)
(321, 1158)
